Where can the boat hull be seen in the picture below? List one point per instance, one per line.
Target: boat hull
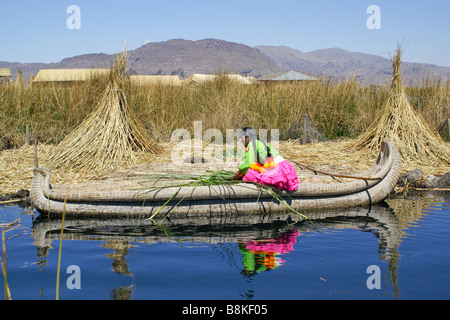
(227, 200)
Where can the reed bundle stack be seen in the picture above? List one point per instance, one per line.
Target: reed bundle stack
(399, 122)
(108, 137)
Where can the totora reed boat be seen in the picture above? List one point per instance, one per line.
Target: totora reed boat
(363, 189)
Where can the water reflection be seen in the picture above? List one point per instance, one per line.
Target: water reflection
(262, 243)
(252, 244)
(265, 254)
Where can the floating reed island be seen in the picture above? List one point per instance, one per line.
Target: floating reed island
(107, 138)
(118, 138)
(205, 195)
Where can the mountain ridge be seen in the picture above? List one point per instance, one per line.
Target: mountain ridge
(342, 64)
(184, 57)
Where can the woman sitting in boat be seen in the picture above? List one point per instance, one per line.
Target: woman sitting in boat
(263, 164)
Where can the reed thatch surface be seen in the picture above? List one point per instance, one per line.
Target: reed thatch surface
(197, 79)
(145, 80)
(63, 75)
(17, 164)
(5, 72)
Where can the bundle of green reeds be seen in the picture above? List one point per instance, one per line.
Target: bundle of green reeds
(211, 178)
(399, 122)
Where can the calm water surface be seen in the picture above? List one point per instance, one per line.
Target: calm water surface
(329, 257)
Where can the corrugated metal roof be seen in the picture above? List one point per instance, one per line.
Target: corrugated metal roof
(287, 76)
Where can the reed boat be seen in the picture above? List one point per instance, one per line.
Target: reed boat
(366, 188)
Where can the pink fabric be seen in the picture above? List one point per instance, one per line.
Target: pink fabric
(281, 177)
(282, 244)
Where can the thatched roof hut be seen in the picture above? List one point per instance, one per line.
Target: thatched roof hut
(238, 78)
(69, 75)
(5, 75)
(155, 80)
(196, 78)
(288, 76)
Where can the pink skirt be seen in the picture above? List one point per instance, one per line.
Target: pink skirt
(283, 176)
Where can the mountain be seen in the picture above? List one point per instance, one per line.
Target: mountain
(184, 57)
(177, 57)
(342, 64)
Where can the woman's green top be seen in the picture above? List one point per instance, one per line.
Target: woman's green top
(250, 156)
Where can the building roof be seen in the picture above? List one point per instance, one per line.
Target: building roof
(61, 75)
(5, 72)
(199, 78)
(202, 78)
(287, 76)
(155, 80)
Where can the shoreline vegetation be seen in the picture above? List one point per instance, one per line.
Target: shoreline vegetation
(342, 111)
(337, 108)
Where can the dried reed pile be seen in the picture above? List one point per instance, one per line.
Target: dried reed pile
(398, 121)
(108, 137)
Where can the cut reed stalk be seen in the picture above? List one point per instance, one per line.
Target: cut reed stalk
(211, 178)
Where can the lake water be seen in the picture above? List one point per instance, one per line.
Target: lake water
(399, 250)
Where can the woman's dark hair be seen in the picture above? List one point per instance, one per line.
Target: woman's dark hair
(251, 133)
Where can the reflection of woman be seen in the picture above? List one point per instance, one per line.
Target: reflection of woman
(262, 164)
(262, 255)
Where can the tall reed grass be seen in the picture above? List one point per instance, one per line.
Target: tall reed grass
(338, 109)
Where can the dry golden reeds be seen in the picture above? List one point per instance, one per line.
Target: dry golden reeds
(398, 121)
(108, 137)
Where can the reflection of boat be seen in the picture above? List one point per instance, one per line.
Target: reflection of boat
(211, 201)
(121, 234)
(379, 220)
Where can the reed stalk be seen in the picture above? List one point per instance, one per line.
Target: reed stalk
(58, 269)
(211, 178)
(336, 108)
(3, 265)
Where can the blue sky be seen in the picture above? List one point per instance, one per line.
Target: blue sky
(36, 31)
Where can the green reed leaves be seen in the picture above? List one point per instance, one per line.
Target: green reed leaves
(211, 178)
